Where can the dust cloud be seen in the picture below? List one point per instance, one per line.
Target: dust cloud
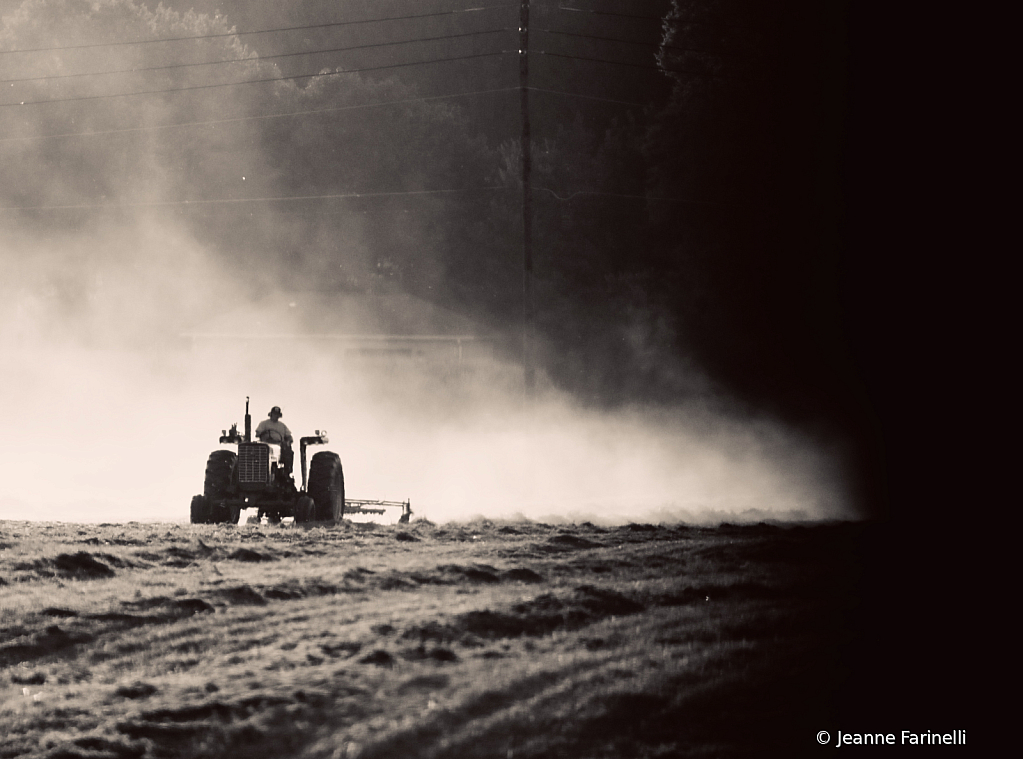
(109, 412)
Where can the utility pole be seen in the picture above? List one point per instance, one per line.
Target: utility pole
(528, 370)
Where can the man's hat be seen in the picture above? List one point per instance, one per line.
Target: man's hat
(275, 410)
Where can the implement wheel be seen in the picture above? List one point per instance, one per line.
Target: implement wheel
(200, 511)
(217, 487)
(327, 487)
(305, 509)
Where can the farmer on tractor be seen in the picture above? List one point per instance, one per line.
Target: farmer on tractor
(273, 430)
(255, 478)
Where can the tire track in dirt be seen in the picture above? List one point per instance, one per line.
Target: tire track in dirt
(431, 731)
(38, 638)
(27, 641)
(178, 730)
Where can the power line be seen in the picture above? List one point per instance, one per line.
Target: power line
(254, 81)
(220, 201)
(608, 13)
(264, 116)
(600, 60)
(641, 66)
(595, 37)
(584, 97)
(343, 196)
(291, 114)
(257, 31)
(560, 7)
(665, 18)
(637, 197)
(759, 30)
(644, 44)
(255, 58)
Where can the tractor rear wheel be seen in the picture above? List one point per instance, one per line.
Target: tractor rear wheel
(327, 486)
(217, 487)
(200, 511)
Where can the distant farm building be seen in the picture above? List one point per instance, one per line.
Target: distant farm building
(396, 330)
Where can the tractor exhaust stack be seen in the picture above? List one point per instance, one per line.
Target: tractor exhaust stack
(248, 422)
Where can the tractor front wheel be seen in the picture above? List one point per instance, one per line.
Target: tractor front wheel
(327, 486)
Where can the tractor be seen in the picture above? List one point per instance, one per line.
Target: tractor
(259, 477)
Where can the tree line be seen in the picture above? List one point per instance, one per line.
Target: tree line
(692, 243)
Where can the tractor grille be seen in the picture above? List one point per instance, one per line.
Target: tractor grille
(253, 463)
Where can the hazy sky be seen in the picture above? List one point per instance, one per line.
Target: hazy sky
(109, 415)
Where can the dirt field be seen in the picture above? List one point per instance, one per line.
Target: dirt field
(461, 640)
